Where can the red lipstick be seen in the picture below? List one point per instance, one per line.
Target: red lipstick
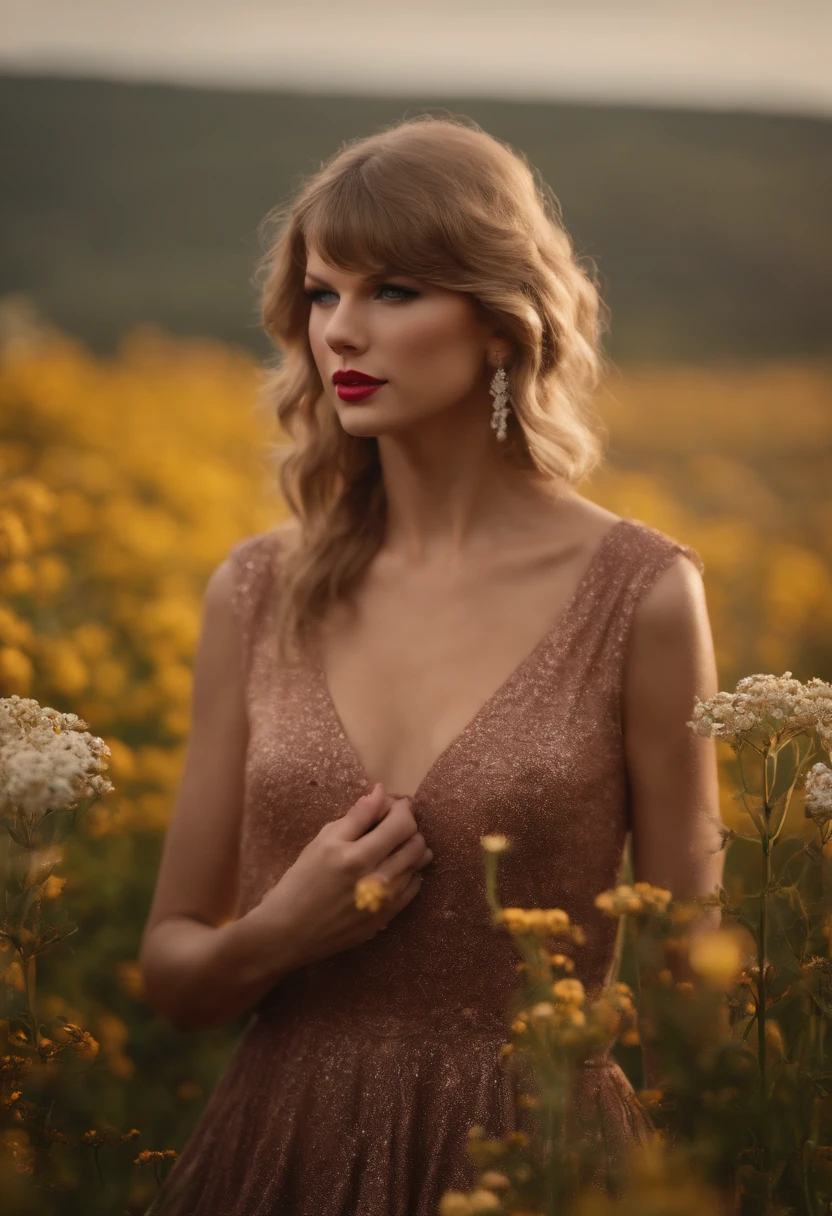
(355, 386)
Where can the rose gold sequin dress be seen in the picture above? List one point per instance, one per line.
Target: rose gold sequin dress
(354, 1084)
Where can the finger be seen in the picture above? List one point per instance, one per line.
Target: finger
(364, 814)
(393, 829)
(410, 889)
(405, 857)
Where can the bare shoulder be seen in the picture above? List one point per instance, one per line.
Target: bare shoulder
(670, 653)
(675, 603)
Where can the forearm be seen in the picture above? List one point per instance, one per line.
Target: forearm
(202, 976)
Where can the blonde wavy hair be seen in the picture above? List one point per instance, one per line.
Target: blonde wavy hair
(441, 200)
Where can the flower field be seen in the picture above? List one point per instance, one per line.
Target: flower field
(123, 482)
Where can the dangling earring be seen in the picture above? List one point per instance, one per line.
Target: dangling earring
(499, 391)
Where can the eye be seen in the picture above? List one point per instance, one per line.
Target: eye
(400, 294)
(403, 293)
(315, 293)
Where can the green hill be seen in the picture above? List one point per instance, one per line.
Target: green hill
(125, 202)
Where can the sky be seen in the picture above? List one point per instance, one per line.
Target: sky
(759, 55)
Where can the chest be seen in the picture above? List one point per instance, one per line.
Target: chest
(409, 666)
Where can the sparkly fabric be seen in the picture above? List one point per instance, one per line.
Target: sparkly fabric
(352, 1088)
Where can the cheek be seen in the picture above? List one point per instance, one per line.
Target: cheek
(437, 338)
(316, 339)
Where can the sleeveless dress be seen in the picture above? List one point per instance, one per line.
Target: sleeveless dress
(356, 1079)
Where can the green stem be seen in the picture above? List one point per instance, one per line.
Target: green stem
(761, 962)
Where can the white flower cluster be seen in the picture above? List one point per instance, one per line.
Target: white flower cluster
(48, 760)
(779, 707)
(818, 801)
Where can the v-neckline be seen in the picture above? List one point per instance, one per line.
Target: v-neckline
(557, 631)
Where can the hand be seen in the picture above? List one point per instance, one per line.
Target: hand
(378, 835)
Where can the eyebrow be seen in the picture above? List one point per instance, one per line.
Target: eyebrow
(370, 278)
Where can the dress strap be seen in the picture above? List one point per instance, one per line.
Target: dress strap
(253, 566)
(628, 567)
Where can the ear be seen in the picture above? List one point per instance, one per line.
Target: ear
(499, 353)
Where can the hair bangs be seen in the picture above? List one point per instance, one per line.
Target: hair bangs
(374, 228)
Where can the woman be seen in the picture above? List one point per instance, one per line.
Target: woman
(444, 640)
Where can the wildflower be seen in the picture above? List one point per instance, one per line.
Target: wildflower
(776, 707)
(371, 892)
(16, 670)
(454, 1203)
(494, 1180)
(48, 760)
(152, 1157)
(53, 887)
(17, 578)
(513, 918)
(557, 920)
(818, 800)
(715, 955)
(14, 539)
(626, 900)
(494, 844)
(482, 1200)
(569, 991)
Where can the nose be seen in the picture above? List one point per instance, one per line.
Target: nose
(345, 330)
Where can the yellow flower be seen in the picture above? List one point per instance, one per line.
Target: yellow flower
(30, 496)
(454, 1203)
(130, 977)
(14, 539)
(92, 640)
(569, 991)
(483, 1201)
(16, 671)
(63, 665)
(557, 920)
(50, 574)
(371, 892)
(513, 918)
(53, 887)
(494, 1180)
(715, 954)
(494, 844)
(16, 578)
(13, 630)
(122, 758)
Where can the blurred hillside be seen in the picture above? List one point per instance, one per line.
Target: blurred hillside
(123, 203)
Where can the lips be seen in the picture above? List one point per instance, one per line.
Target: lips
(352, 377)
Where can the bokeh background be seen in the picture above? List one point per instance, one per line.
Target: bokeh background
(690, 146)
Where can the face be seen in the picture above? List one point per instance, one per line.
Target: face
(428, 344)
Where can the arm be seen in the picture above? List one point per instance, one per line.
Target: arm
(200, 967)
(672, 771)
